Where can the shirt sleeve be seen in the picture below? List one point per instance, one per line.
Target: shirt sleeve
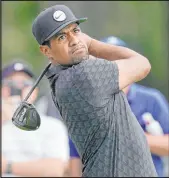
(56, 142)
(96, 79)
(161, 111)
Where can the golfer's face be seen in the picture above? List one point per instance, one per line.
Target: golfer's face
(68, 47)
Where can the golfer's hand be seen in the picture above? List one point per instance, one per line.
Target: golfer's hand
(87, 39)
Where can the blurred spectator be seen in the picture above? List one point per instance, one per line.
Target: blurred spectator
(40, 153)
(152, 112)
(46, 105)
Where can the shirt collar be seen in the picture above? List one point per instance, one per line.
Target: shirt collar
(55, 70)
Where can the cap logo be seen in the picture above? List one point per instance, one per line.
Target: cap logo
(59, 16)
(18, 66)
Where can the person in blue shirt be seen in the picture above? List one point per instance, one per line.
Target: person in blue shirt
(142, 100)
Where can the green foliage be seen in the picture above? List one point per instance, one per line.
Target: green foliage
(17, 38)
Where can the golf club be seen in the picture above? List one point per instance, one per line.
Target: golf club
(26, 116)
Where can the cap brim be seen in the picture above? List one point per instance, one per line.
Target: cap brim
(64, 25)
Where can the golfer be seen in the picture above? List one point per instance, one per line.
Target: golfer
(86, 79)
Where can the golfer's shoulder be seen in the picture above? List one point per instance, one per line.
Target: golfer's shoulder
(92, 65)
(93, 61)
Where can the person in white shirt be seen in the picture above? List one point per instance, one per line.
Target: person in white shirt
(40, 153)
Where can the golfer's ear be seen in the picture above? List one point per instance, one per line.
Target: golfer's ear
(45, 50)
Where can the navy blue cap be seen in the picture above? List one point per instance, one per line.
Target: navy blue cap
(114, 41)
(16, 67)
(50, 21)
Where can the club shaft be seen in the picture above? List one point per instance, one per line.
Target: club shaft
(37, 81)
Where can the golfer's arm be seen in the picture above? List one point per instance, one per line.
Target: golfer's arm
(39, 168)
(132, 66)
(159, 145)
(110, 52)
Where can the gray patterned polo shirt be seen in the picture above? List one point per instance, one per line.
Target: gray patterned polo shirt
(103, 128)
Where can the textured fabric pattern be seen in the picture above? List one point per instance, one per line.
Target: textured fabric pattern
(105, 132)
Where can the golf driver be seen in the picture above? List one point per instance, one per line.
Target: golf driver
(26, 116)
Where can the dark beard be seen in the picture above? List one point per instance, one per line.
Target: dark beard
(77, 60)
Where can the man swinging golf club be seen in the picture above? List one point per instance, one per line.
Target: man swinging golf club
(87, 78)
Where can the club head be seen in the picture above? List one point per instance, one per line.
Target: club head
(26, 117)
